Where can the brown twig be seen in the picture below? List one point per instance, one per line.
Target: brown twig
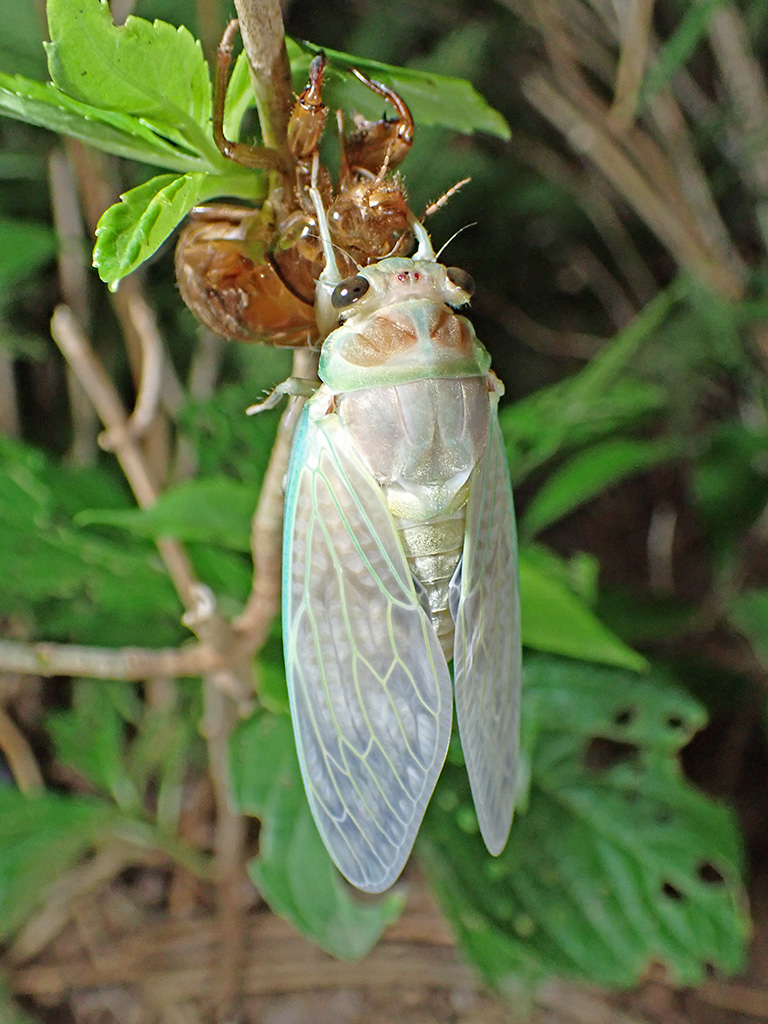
(664, 211)
(593, 200)
(261, 25)
(635, 29)
(73, 278)
(266, 529)
(201, 615)
(745, 82)
(144, 323)
(131, 664)
(18, 754)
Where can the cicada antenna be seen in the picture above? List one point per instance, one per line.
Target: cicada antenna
(440, 203)
(472, 224)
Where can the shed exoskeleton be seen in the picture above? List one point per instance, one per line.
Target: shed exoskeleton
(249, 274)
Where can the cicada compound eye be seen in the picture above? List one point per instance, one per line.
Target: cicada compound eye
(349, 291)
(461, 279)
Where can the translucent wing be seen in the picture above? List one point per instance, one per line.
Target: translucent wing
(487, 660)
(370, 688)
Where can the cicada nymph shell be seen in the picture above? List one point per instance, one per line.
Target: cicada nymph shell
(250, 274)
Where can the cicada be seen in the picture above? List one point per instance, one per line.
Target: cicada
(250, 274)
(399, 557)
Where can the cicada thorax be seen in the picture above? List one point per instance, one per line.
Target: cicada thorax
(250, 275)
(421, 441)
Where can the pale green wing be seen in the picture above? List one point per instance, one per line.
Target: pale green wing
(487, 658)
(369, 686)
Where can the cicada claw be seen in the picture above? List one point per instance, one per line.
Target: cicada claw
(296, 387)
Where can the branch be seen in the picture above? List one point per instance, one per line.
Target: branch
(261, 26)
(267, 527)
(131, 664)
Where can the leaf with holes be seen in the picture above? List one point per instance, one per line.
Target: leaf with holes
(616, 863)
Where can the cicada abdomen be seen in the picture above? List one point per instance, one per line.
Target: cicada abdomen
(400, 556)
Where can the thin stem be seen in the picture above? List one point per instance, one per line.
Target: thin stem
(18, 754)
(131, 664)
(266, 531)
(261, 25)
(201, 615)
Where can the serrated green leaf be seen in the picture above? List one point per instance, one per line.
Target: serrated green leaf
(589, 472)
(555, 620)
(616, 863)
(41, 838)
(40, 103)
(293, 870)
(432, 99)
(132, 230)
(216, 510)
(150, 70)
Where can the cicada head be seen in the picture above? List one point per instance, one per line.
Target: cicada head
(397, 322)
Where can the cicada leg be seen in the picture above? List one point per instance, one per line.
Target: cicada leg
(307, 121)
(294, 387)
(380, 144)
(249, 156)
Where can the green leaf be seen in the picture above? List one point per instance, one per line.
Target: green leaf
(44, 105)
(730, 482)
(554, 619)
(24, 247)
(132, 230)
(617, 863)
(91, 739)
(72, 584)
(151, 70)
(21, 46)
(678, 48)
(590, 472)
(239, 97)
(40, 839)
(432, 99)
(293, 870)
(586, 405)
(217, 510)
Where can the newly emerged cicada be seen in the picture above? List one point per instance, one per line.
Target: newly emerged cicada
(249, 275)
(399, 556)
